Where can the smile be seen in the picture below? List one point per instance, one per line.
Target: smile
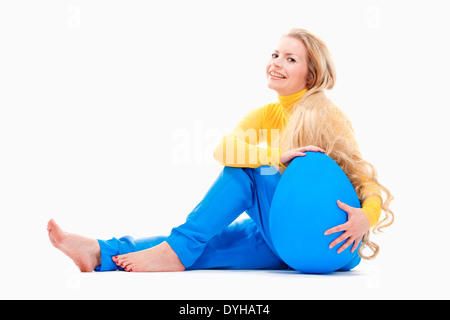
(276, 75)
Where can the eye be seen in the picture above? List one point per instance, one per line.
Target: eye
(291, 59)
(274, 55)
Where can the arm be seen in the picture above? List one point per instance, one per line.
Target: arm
(359, 220)
(240, 148)
(371, 206)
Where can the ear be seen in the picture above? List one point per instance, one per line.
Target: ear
(309, 80)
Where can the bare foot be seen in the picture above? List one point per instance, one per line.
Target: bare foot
(85, 252)
(158, 258)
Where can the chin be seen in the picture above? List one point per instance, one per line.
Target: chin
(278, 90)
(273, 86)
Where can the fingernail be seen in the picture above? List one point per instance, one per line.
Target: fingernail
(131, 270)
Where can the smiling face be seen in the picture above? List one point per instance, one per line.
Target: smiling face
(287, 70)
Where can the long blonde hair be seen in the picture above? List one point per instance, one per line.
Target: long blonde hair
(317, 121)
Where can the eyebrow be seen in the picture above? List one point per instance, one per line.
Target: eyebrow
(288, 53)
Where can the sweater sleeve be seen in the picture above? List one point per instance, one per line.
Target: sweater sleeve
(371, 207)
(241, 147)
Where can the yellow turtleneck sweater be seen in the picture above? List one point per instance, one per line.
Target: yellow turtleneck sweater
(243, 146)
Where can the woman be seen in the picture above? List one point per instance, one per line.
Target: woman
(303, 120)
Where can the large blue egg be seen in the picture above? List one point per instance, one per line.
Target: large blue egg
(304, 206)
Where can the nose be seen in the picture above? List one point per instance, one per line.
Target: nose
(276, 62)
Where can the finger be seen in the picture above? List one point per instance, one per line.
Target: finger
(338, 240)
(338, 228)
(293, 156)
(355, 244)
(321, 150)
(313, 148)
(345, 245)
(344, 207)
(304, 149)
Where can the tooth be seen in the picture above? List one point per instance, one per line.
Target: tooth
(275, 74)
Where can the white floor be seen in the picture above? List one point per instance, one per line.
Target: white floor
(371, 280)
(413, 264)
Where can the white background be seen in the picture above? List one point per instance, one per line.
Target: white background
(110, 112)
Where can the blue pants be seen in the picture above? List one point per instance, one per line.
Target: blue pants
(210, 238)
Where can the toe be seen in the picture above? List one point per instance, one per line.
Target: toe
(122, 260)
(52, 225)
(133, 268)
(126, 265)
(130, 267)
(118, 261)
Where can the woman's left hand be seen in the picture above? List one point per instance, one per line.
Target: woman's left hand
(354, 229)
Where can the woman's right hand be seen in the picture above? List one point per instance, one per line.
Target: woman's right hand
(289, 155)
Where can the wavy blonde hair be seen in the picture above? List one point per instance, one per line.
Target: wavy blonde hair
(317, 121)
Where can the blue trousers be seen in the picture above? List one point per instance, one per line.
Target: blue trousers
(210, 237)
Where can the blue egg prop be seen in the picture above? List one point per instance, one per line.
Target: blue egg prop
(304, 206)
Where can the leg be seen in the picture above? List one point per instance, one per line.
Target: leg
(160, 258)
(113, 247)
(235, 191)
(91, 254)
(85, 252)
(239, 246)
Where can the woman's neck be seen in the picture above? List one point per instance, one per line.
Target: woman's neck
(288, 102)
